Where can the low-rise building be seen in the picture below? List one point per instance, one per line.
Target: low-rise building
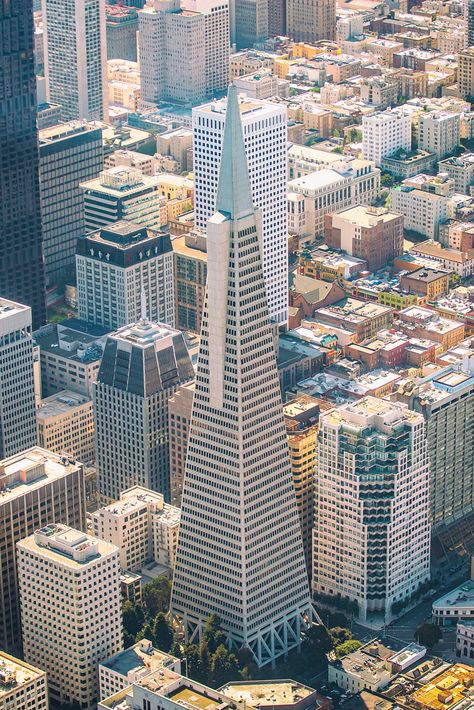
(131, 587)
(362, 318)
(465, 640)
(408, 163)
(277, 694)
(426, 282)
(419, 322)
(135, 662)
(328, 265)
(65, 423)
(456, 605)
(307, 294)
(461, 170)
(22, 687)
(457, 262)
(423, 211)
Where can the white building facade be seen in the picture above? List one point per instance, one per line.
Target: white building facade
(265, 139)
(385, 133)
(423, 211)
(371, 541)
(438, 132)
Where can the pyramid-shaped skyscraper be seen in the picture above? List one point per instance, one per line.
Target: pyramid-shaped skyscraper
(240, 552)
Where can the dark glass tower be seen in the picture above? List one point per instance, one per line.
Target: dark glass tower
(21, 253)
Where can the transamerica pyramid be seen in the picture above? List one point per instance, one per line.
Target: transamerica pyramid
(240, 552)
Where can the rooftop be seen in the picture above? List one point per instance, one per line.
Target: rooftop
(366, 216)
(60, 403)
(267, 693)
(146, 333)
(461, 597)
(66, 546)
(73, 339)
(140, 655)
(30, 470)
(448, 689)
(14, 674)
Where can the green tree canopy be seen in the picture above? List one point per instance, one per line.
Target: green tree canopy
(191, 654)
(428, 635)
(225, 667)
(346, 647)
(163, 633)
(156, 596)
(316, 642)
(131, 622)
(145, 632)
(339, 635)
(213, 634)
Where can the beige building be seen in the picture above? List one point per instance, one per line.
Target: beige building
(71, 615)
(311, 20)
(65, 423)
(176, 144)
(190, 273)
(130, 159)
(466, 73)
(22, 687)
(179, 417)
(142, 526)
(36, 487)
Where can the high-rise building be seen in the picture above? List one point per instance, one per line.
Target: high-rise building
(75, 57)
(180, 407)
(311, 20)
(251, 22)
(466, 62)
(469, 23)
(22, 687)
(21, 253)
(71, 615)
(372, 531)
(384, 133)
(438, 132)
(65, 423)
(36, 488)
(265, 140)
(17, 379)
(117, 264)
(184, 50)
(121, 29)
(190, 274)
(276, 17)
(142, 366)
(240, 540)
(70, 153)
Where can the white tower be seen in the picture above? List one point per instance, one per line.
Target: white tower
(265, 139)
(240, 552)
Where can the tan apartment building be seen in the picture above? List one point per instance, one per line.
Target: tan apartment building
(65, 423)
(190, 274)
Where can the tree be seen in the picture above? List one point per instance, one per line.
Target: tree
(156, 596)
(386, 180)
(163, 633)
(213, 634)
(428, 635)
(204, 663)
(175, 650)
(145, 633)
(131, 623)
(224, 667)
(128, 639)
(191, 654)
(348, 646)
(340, 635)
(316, 642)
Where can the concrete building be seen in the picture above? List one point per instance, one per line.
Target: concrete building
(142, 366)
(423, 211)
(238, 466)
(383, 134)
(70, 153)
(419, 322)
(142, 526)
(461, 170)
(179, 418)
(36, 487)
(426, 282)
(190, 274)
(70, 356)
(311, 20)
(22, 687)
(465, 640)
(279, 694)
(184, 50)
(265, 140)
(65, 423)
(372, 533)
(406, 164)
(438, 132)
(122, 193)
(455, 606)
(118, 264)
(313, 196)
(261, 86)
(55, 565)
(132, 664)
(176, 143)
(251, 23)
(17, 379)
(466, 64)
(370, 233)
(121, 26)
(75, 57)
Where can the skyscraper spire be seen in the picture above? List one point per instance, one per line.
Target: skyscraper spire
(240, 552)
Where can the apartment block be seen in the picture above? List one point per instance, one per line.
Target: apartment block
(180, 407)
(461, 170)
(251, 22)
(58, 564)
(190, 274)
(419, 322)
(65, 424)
(438, 132)
(142, 526)
(17, 379)
(423, 211)
(311, 20)
(121, 27)
(36, 487)
(466, 63)
(372, 532)
(22, 687)
(120, 266)
(142, 366)
(426, 282)
(373, 234)
(385, 133)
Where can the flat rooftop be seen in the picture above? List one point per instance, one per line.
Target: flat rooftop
(60, 403)
(136, 657)
(14, 674)
(193, 698)
(30, 470)
(365, 216)
(461, 597)
(66, 546)
(268, 693)
(448, 689)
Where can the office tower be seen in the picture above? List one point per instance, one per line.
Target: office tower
(184, 50)
(251, 22)
(265, 140)
(438, 133)
(276, 17)
(21, 255)
(65, 423)
(190, 274)
(121, 24)
(36, 488)
(122, 193)
(142, 526)
(385, 133)
(115, 265)
(17, 380)
(240, 552)
(75, 57)
(311, 20)
(142, 366)
(180, 407)
(446, 400)
(466, 66)
(71, 614)
(469, 23)
(22, 687)
(372, 535)
(69, 154)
